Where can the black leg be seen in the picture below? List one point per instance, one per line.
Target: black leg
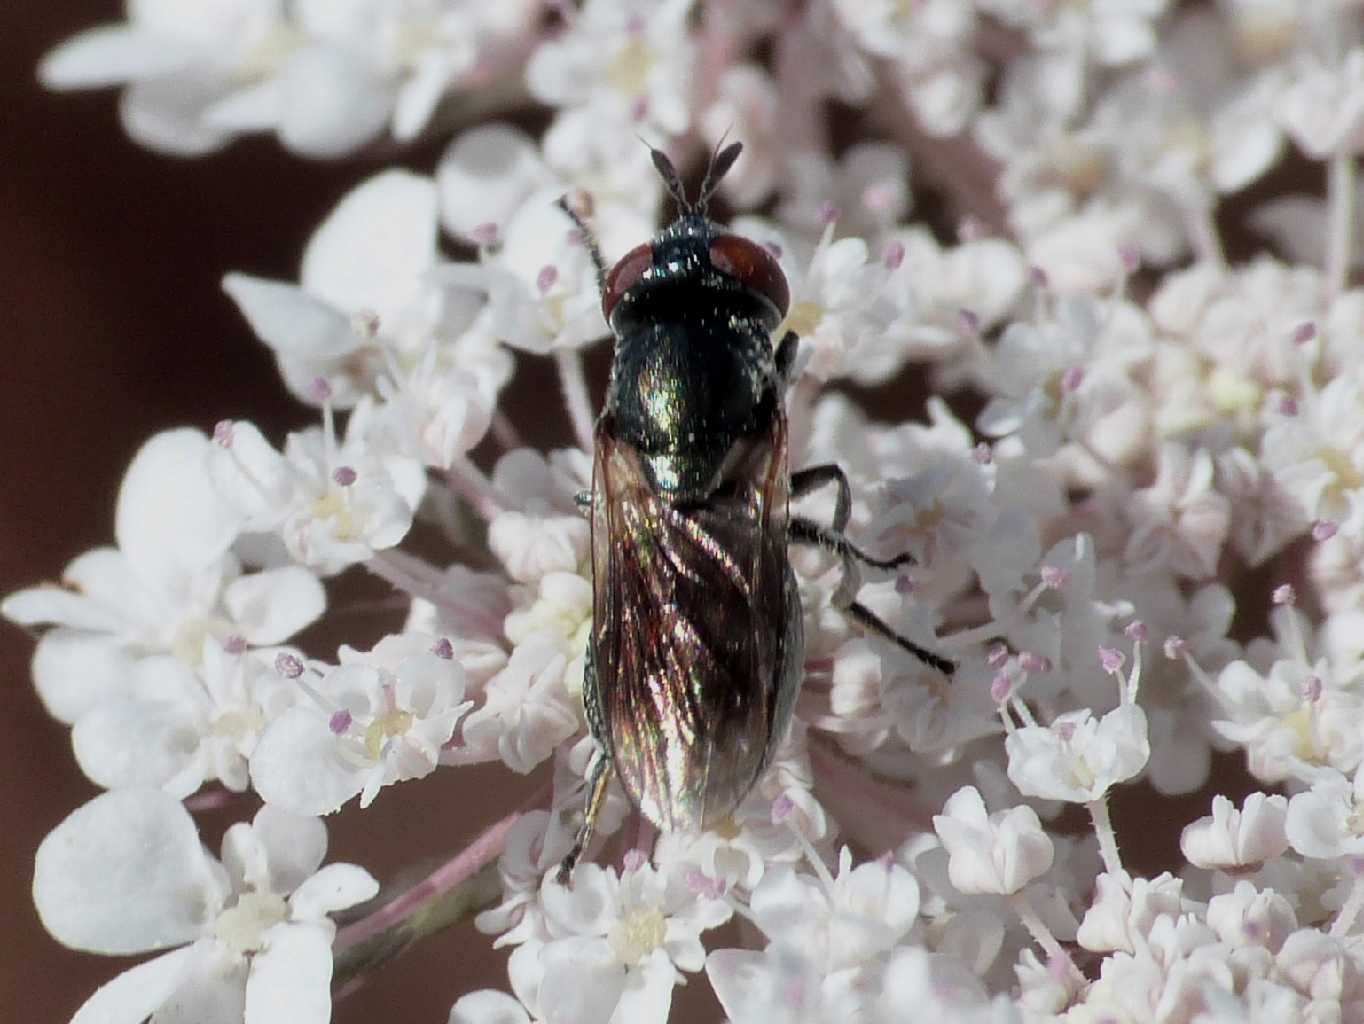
(863, 615)
(597, 778)
(807, 531)
(804, 481)
(786, 356)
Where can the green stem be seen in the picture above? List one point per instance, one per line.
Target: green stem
(1108, 840)
(1340, 221)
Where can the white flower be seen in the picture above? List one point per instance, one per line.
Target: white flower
(831, 303)
(822, 933)
(380, 717)
(868, 188)
(1232, 840)
(179, 728)
(1326, 820)
(1322, 109)
(526, 711)
(370, 258)
(1292, 719)
(1180, 521)
(625, 63)
(541, 530)
(1245, 917)
(325, 77)
(934, 293)
(543, 292)
(126, 874)
(1060, 378)
(1110, 33)
(179, 63)
(615, 945)
(991, 853)
(331, 503)
(488, 1006)
(1078, 758)
(1125, 909)
(1318, 454)
(170, 584)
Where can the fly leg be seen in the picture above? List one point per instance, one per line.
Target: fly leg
(597, 778)
(786, 359)
(832, 538)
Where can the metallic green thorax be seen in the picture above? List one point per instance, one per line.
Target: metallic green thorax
(693, 370)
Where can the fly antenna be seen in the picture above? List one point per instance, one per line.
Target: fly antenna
(721, 160)
(588, 238)
(668, 173)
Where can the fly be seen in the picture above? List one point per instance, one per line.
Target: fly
(696, 649)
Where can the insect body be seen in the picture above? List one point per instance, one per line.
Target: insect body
(696, 649)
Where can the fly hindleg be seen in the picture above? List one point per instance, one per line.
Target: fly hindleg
(597, 778)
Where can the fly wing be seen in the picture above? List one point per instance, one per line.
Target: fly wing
(696, 631)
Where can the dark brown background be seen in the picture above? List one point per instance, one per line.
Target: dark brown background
(115, 327)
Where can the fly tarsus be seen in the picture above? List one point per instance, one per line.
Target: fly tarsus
(867, 618)
(807, 531)
(597, 777)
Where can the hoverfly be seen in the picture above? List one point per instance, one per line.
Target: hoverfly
(696, 649)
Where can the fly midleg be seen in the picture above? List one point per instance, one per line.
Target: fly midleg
(804, 481)
(597, 778)
(807, 531)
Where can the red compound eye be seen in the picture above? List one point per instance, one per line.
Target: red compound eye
(625, 275)
(753, 267)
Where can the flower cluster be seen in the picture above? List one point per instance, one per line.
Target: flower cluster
(1134, 425)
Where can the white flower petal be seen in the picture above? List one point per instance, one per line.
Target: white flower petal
(129, 743)
(290, 981)
(291, 321)
(294, 846)
(269, 607)
(253, 109)
(110, 55)
(648, 992)
(74, 670)
(335, 887)
(297, 765)
(373, 249)
(171, 522)
(485, 175)
(582, 982)
(165, 114)
(124, 874)
(331, 102)
(488, 1006)
(131, 997)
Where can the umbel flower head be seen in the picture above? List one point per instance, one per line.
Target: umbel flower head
(1132, 426)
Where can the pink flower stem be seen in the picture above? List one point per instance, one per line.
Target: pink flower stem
(471, 482)
(884, 813)
(212, 800)
(1340, 218)
(504, 431)
(1108, 839)
(481, 852)
(576, 400)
